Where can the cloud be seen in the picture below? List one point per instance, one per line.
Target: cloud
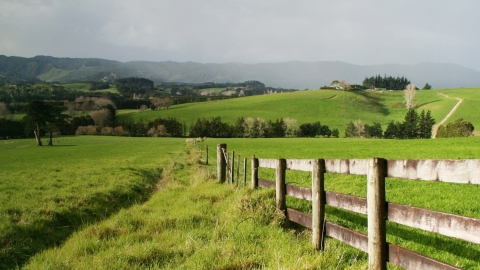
(360, 32)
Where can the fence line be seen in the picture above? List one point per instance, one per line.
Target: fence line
(460, 227)
(377, 209)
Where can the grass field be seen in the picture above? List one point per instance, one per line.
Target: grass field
(46, 193)
(331, 107)
(60, 205)
(85, 87)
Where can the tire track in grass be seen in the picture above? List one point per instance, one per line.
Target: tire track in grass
(452, 111)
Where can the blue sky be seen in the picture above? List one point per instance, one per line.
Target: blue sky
(360, 32)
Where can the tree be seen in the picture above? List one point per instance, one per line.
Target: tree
(411, 126)
(427, 87)
(56, 121)
(425, 124)
(4, 111)
(335, 133)
(410, 92)
(43, 116)
(359, 128)
(350, 131)
(391, 131)
(373, 131)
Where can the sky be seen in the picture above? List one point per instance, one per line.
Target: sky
(362, 32)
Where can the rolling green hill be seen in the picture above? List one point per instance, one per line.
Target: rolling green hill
(331, 107)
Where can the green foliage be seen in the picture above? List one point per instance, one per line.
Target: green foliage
(313, 130)
(459, 128)
(133, 85)
(11, 129)
(99, 86)
(427, 87)
(390, 83)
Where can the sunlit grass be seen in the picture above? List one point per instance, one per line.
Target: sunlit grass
(331, 107)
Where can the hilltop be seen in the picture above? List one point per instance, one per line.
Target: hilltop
(331, 107)
(297, 75)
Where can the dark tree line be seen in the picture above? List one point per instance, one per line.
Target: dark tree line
(414, 126)
(133, 85)
(256, 128)
(391, 83)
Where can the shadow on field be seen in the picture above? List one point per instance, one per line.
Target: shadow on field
(22, 241)
(62, 145)
(438, 242)
(425, 103)
(374, 102)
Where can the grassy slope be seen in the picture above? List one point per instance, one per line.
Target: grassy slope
(469, 108)
(85, 87)
(333, 108)
(46, 193)
(193, 223)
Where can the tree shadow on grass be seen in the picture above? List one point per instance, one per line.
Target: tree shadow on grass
(426, 103)
(22, 241)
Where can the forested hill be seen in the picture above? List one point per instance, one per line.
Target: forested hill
(298, 75)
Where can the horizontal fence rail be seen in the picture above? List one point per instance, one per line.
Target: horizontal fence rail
(456, 226)
(452, 171)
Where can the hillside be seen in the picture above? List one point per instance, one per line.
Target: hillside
(297, 75)
(330, 107)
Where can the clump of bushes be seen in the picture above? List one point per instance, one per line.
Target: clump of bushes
(459, 128)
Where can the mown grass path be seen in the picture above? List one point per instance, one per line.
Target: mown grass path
(454, 109)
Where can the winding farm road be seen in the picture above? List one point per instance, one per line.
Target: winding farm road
(435, 127)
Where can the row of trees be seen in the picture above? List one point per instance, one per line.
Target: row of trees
(414, 126)
(391, 83)
(258, 128)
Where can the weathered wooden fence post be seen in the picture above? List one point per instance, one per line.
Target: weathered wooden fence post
(377, 243)
(244, 172)
(238, 170)
(318, 202)
(232, 168)
(280, 185)
(254, 179)
(206, 154)
(221, 163)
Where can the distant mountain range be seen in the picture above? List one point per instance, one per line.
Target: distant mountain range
(297, 75)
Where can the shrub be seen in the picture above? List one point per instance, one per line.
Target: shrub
(108, 131)
(86, 130)
(119, 131)
(459, 128)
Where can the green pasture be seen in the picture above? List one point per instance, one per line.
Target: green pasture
(458, 199)
(46, 193)
(59, 204)
(331, 107)
(85, 87)
(79, 86)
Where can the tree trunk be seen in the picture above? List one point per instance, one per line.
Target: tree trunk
(50, 140)
(38, 142)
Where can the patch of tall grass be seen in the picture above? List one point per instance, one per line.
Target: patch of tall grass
(195, 223)
(47, 193)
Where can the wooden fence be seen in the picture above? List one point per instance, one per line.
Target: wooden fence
(377, 209)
